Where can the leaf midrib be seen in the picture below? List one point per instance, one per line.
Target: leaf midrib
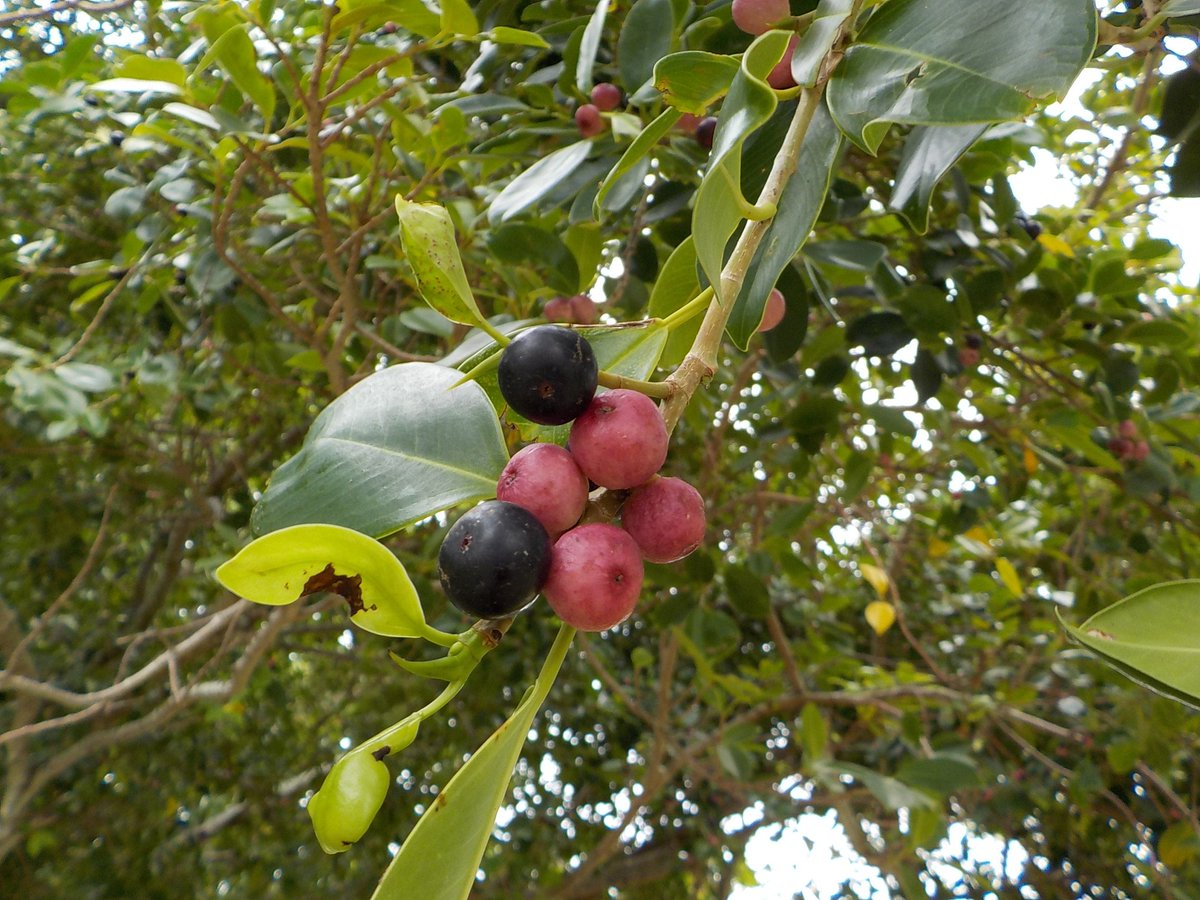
(924, 57)
(423, 459)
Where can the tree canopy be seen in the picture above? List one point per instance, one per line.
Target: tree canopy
(246, 250)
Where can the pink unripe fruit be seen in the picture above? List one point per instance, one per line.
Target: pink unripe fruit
(1127, 429)
(587, 117)
(687, 123)
(757, 16)
(595, 577)
(774, 311)
(544, 479)
(606, 97)
(620, 440)
(583, 310)
(666, 519)
(1120, 447)
(1141, 449)
(558, 309)
(968, 357)
(780, 77)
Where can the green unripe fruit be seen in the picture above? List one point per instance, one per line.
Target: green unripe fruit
(343, 809)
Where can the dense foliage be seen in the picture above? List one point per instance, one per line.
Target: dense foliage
(908, 482)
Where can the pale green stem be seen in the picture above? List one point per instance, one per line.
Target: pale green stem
(690, 309)
(658, 389)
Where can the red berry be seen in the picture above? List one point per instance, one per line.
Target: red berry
(757, 16)
(1121, 448)
(780, 77)
(1127, 429)
(968, 357)
(606, 97)
(666, 518)
(687, 123)
(620, 440)
(774, 311)
(1141, 449)
(544, 479)
(595, 577)
(583, 310)
(588, 118)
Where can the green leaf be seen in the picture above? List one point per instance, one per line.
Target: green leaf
(691, 81)
(879, 333)
(677, 284)
(943, 773)
(537, 181)
(411, 15)
(719, 202)
(955, 62)
(818, 40)
(150, 68)
(814, 734)
(857, 256)
(192, 114)
(1181, 8)
(135, 86)
(400, 445)
(588, 47)
(234, 52)
(504, 35)
(747, 592)
(929, 153)
(457, 18)
(520, 244)
(427, 235)
(893, 794)
(287, 565)
(646, 36)
(635, 153)
(1150, 636)
(800, 204)
(441, 855)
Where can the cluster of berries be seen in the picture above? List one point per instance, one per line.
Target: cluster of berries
(605, 98)
(1127, 444)
(497, 557)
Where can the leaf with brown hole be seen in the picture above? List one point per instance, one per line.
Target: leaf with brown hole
(329, 559)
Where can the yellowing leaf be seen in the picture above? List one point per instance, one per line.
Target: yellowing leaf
(938, 548)
(877, 578)
(1008, 575)
(880, 615)
(1030, 460)
(979, 535)
(1055, 244)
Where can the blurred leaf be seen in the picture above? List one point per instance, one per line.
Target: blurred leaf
(880, 615)
(747, 592)
(457, 18)
(893, 794)
(234, 52)
(879, 333)
(635, 153)
(677, 284)
(877, 578)
(588, 47)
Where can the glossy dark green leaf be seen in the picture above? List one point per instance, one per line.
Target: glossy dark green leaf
(537, 181)
(719, 201)
(801, 202)
(958, 62)
(787, 337)
(692, 80)
(1150, 637)
(400, 445)
(439, 858)
(929, 152)
(646, 36)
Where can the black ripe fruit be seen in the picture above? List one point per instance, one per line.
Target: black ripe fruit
(494, 560)
(548, 374)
